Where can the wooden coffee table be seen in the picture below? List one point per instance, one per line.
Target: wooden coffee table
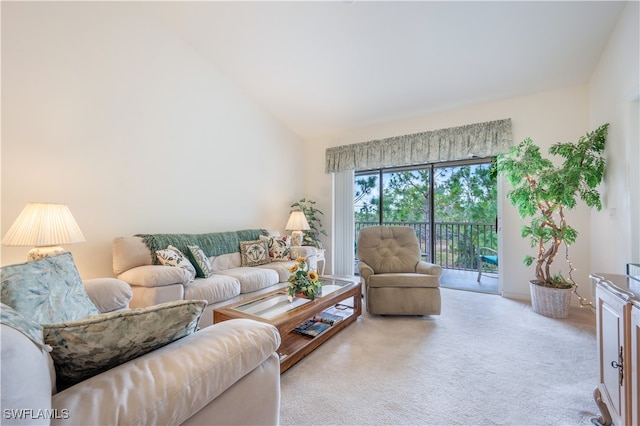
(274, 308)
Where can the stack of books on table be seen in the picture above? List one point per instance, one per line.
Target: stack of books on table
(323, 320)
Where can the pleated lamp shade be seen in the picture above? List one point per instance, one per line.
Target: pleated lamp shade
(297, 223)
(45, 226)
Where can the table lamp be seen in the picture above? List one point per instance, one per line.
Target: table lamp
(297, 223)
(45, 226)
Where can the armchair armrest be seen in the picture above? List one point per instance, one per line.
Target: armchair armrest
(365, 270)
(428, 268)
(108, 294)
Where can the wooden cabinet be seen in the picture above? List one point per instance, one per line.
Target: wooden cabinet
(617, 332)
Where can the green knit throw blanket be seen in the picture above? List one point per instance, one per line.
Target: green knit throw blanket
(213, 244)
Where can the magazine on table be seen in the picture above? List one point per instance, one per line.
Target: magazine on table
(340, 310)
(311, 328)
(323, 320)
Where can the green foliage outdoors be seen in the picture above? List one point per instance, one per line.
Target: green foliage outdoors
(464, 194)
(543, 191)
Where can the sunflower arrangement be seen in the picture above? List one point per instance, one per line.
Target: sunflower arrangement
(303, 280)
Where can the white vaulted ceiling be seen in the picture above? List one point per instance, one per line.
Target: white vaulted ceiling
(325, 67)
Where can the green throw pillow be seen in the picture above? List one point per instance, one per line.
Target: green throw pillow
(201, 262)
(87, 347)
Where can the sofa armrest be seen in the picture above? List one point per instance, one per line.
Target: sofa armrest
(155, 276)
(365, 270)
(27, 378)
(129, 252)
(108, 294)
(428, 268)
(170, 384)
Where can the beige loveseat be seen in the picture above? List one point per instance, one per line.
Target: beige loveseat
(226, 374)
(135, 262)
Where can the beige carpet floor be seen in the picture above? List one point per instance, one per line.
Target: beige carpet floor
(485, 361)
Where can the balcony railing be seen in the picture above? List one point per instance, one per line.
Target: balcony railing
(456, 243)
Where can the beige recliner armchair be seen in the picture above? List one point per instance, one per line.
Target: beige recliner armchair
(397, 282)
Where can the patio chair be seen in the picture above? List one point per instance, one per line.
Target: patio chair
(486, 255)
(396, 280)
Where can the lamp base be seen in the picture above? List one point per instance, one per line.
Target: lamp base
(42, 252)
(296, 238)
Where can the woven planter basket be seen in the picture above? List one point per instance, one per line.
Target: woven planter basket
(550, 302)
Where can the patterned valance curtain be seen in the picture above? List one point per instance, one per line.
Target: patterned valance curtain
(455, 143)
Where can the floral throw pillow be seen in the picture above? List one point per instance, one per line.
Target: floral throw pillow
(86, 347)
(279, 247)
(172, 256)
(254, 253)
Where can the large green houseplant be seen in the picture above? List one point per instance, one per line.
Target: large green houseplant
(543, 191)
(311, 212)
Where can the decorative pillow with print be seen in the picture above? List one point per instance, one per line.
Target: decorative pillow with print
(47, 290)
(172, 256)
(200, 261)
(14, 319)
(254, 253)
(279, 247)
(89, 346)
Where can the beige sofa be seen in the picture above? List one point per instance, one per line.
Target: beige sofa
(135, 262)
(226, 374)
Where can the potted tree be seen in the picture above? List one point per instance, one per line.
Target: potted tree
(312, 235)
(542, 192)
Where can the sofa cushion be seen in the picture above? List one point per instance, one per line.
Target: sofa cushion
(155, 276)
(279, 247)
(214, 289)
(49, 290)
(254, 253)
(403, 280)
(200, 261)
(86, 347)
(226, 261)
(251, 278)
(282, 268)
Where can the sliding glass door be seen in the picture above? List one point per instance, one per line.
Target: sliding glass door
(452, 207)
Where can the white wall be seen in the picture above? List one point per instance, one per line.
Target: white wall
(608, 239)
(105, 110)
(614, 98)
(561, 115)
